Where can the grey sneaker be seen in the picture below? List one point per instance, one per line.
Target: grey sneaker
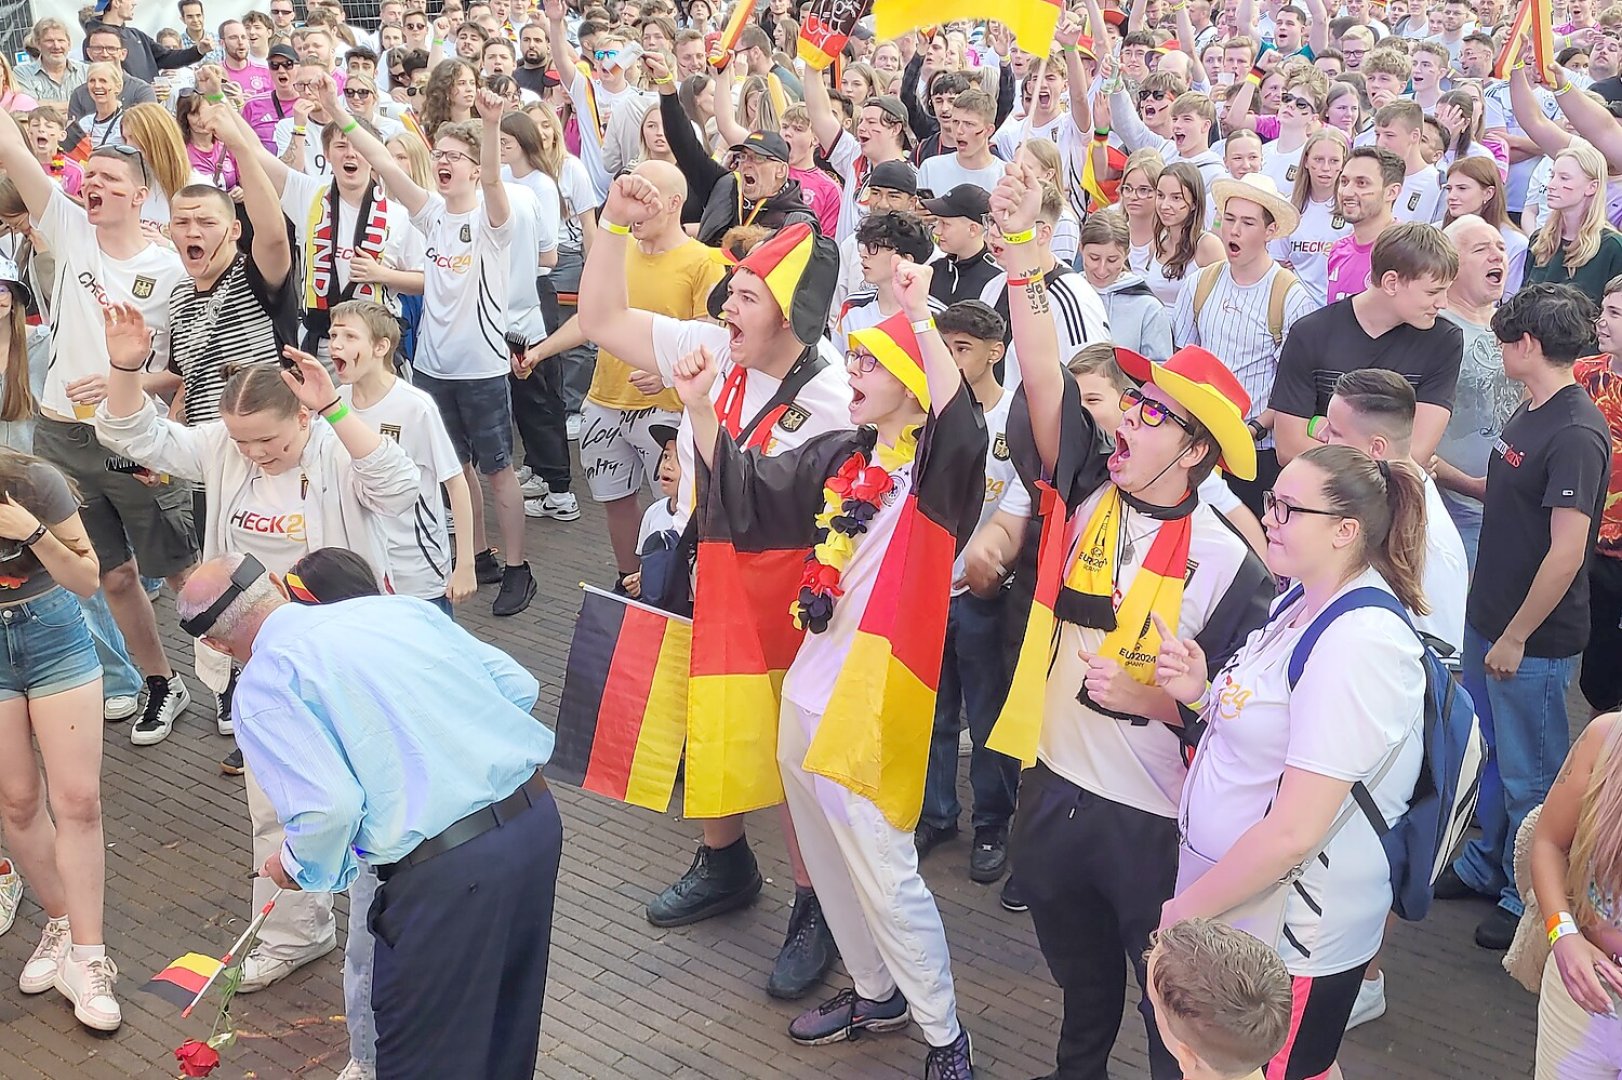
(846, 1015)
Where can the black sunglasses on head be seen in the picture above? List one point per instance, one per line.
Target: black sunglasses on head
(242, 578)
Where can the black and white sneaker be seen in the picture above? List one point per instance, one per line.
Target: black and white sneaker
(166, 699)
(222, 706)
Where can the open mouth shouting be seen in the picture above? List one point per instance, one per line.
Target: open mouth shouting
(1496, 276)
(1122, 452)
(194, 253)
(443, 176)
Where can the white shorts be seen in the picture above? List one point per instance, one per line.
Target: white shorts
(617, 451)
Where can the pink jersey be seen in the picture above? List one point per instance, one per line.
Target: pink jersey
(1348, 268)
(822, 195)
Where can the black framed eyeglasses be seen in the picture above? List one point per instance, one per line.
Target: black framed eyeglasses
(1277, 508)
(242, 578)
(862, 360)
(1153, 413)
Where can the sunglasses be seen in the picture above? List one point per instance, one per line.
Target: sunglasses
(282, 65)
(242, 579)
(281, 11)
(1295, 102)
(356, 92)
(1152, 95)
(416, 26)
(413, 90)
(1278, 509)
(1153, 413)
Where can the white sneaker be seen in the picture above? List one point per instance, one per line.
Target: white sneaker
(39, 974)
(560, 505)
(259, 970)
(11, 894)
(1370, 1004)
(523, 472)
(356, 1071)
(162, 710)
(572, 426)
(120, 707)
(89, 985)
(534, 488)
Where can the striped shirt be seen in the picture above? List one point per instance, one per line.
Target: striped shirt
(1232, 324)
(235, 322)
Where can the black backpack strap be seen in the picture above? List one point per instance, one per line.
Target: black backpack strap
(804, 370)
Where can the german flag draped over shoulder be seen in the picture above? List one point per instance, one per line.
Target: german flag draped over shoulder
(875, 734)
(1083, 466)
(756, 524)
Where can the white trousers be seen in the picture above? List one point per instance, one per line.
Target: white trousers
(865, 871)
(301, 920)
(1574, 1044)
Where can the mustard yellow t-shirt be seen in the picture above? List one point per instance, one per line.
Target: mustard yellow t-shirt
(675, 283)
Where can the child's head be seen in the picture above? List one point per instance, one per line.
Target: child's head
(1221, 998)
(1101, 382)
(974, 332)
(1106, 241)
(1242, 154)
(361, 339)
(669, 468)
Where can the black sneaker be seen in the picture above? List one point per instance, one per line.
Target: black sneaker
(231, 765)
(1013, 898)
(1450, 886)
(846, 1016)
(808, 950)
(720, 880)
(517, 590)
(1497, 930)
(954, 1061)
(927, 837)
(222, 706)
(989, 859)
(487, 568)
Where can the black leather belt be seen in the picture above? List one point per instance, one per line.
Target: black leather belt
(474, 825)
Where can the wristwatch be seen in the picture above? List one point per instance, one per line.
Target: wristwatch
(1257, 432)
(35, 537)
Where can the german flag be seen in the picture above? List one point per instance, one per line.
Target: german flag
(875, 733)
(182, 979)
(742, 16)
(1032, 22)
(1537, 20)
(623, 715)
(1019, 725)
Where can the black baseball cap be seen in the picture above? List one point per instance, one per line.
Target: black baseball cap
(768, 144)
(663, 434)
(284, 51)
(891, 105)
(964, 201)
(894, 176)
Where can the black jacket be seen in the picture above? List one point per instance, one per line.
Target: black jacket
(145, 56)
(715, 188)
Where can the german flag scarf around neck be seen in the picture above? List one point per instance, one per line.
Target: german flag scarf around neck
(321, 292)
(1133, 640)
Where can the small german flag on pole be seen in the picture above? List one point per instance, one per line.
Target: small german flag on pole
(180, 982)
(622, 719)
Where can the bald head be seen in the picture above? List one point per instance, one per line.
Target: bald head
(664, 176)
(1468, 229)
(233, 629)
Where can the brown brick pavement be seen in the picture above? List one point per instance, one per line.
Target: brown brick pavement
(627, 1001)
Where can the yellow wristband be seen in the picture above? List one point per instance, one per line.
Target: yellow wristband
(617, 230)
(1019, 237)
(666, 81)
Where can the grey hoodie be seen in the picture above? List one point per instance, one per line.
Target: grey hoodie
(1137, 319)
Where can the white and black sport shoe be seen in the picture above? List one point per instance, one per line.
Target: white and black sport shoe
(166, 699)
(222, 706)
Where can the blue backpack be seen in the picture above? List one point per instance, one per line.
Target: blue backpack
(1421, 843)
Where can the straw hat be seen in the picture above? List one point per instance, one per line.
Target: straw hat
(1260, 189)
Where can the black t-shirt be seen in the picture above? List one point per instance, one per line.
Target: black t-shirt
(1323, 346)
(1557, 455)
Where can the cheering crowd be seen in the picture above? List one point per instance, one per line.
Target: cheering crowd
(1165, 418)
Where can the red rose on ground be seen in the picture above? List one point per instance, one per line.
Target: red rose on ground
(197, 1058)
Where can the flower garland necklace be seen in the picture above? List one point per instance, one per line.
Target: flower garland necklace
(851, 499)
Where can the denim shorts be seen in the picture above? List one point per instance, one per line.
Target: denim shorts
(45, 647)
(478, 417)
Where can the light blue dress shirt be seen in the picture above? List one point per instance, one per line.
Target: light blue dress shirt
(376, 723)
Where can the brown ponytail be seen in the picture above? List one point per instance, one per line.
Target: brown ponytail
(1388, 500)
